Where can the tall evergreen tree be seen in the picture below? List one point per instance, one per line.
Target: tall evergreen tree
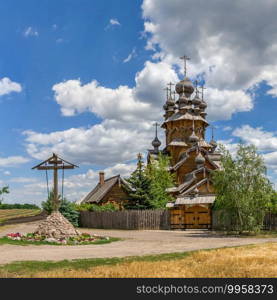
(140, 184)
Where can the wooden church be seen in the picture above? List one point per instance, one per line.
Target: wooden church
(192, 157)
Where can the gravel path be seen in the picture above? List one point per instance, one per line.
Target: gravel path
(134, 243)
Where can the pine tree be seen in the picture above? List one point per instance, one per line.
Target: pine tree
(140, 184)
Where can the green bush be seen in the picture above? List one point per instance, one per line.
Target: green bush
(18, 206)
(67, 209)
(95, 207)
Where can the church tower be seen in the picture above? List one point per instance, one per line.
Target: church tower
(192, 157)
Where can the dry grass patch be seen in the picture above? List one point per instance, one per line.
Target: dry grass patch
(248, 261)
(7, 214)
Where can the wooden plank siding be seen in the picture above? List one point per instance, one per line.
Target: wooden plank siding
(126, 219)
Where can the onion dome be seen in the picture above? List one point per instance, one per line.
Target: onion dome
(213, 143)
(199, 159)
(197, 110)
(193, 138)
(170, 104)
(183, 99)
(203, 104)
(196, 100)
(203, 114)
(185, 86)
(156, 143)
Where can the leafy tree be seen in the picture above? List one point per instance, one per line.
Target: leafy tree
(243, 191)
(160, 180)
(272, 206)
(95, 207)
(140, 184)
(4, 190)
(66, 208)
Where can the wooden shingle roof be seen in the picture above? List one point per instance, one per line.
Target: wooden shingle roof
(100, 191)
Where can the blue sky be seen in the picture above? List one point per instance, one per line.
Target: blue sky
(84, 79)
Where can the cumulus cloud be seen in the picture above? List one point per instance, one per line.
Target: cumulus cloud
(30, 31)
(263, 140)
(232, 45)
(237, 38)
(7, 86)
(12, 161)
(105, 144)
(143, 102)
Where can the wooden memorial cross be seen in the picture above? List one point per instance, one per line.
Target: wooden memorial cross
(55, 163)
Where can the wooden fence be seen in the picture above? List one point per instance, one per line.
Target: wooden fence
(270, 221)
(126, 219)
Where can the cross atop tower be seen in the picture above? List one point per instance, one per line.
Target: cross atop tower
(196, 86)
(185, 58)
(156, 124)
(166, 89)
(170, 85)
(202, 91)
(213, 129)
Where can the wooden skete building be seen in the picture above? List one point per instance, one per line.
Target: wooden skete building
(192, 158)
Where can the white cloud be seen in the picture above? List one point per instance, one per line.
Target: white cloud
(222, 104)
(75, 186)
(237, 38)
(271, 160)
(12, 161)
(227, 128)
(230, 145)
(143, 102)
(30, 31)
(7, 86)
(107, 143)
(114, 22)
(7, 173)
(130, 56)
(232, 44)
(23, 179)
(263, 140)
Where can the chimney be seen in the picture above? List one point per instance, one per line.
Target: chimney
(101, 177)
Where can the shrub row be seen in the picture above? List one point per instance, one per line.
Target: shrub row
(95, 207)
(18, 206)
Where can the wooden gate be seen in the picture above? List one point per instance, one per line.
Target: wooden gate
(194, 217)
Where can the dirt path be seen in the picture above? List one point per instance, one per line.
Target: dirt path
(134, 243)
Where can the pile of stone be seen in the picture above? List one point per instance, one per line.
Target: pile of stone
(56, 226)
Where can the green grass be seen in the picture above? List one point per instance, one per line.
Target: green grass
(28, 268)
(5, 240)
